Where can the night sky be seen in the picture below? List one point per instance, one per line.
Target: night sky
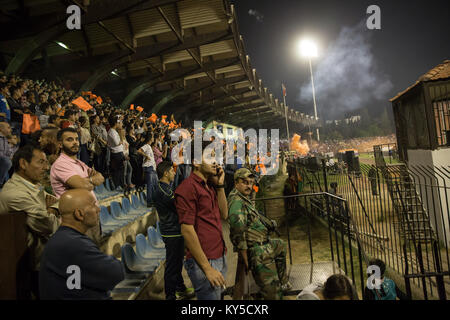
(356, 67)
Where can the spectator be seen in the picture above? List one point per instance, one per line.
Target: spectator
(116, 147)
(337, 287)
(135, 158)
(128, 169)
(201, 203)
(85, 139)
(156, 147)
(16, 109)
(71, 119)
(149, 165)
(8, 146)
(47, 112)
(22, 193)
(387, 290)
(48, 142)
(69, 247)
(68, 172)
(100, 137)
(171, 234)
(5, 111)
(54, 121)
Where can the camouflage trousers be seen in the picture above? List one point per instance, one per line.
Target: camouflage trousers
(268, 266)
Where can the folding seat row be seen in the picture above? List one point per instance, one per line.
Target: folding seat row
(150, 253)
(107, 190)
(121, 214)
(151, 247)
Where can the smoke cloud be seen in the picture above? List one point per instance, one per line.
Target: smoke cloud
(301, 146)
(258, 15)
(347, 77)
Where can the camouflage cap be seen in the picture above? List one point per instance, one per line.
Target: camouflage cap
(243, 173)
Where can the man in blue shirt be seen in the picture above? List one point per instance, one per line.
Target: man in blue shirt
(5, 111)
(72, 266)
(171, 234)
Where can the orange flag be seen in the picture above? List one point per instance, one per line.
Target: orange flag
(82, 104)
(140, 109)
(153, 118)
(30, 124)
(255, 188)
(132, 107)
(99, 100)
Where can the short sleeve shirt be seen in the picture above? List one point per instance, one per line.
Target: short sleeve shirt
(149, 153)
(63, 169)
(197, 205)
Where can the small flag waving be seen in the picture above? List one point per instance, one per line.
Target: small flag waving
(82, 104)
(284, 90)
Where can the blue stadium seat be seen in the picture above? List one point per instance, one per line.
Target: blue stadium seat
(145, 250)
(134, 264)
(108, 184)
(154, 239)
(158, 228)
(129, 210)
(108, 223)
(116, 212)
(136, 203)
(99, 192)
(113, 191)
(129, 285)
(143, 196)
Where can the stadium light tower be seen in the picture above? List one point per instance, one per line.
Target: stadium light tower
(308, 49)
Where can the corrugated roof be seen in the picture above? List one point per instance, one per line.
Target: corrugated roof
(440, 72)
(210, 23)
(194, 13)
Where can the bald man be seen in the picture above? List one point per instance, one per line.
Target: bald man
(72, 266)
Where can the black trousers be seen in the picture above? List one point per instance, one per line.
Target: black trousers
(173, 280)
(117, 168)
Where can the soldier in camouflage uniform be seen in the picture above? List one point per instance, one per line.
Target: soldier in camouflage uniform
(249, 233)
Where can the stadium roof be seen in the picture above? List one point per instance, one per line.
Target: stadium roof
(440, 72)
(182, 56)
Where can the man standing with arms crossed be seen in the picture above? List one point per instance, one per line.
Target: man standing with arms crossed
(201, 204)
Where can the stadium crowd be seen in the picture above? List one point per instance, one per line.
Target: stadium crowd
(55, 148)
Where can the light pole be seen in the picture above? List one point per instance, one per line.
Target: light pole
(308, 49)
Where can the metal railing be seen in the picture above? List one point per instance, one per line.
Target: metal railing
(343, 236)
(401, 214)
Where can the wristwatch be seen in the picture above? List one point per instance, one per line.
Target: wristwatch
(220, 186)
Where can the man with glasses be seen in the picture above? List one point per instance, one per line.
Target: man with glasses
(250, 232)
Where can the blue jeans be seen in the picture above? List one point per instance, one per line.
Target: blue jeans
(151, 179)
(203, 288)
(5, 165)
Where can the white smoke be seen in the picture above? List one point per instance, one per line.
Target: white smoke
(347, 77)
(258, 15)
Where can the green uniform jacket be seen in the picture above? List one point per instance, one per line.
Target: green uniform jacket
(247, 226)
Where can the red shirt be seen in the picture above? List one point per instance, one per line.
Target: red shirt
(197, 205)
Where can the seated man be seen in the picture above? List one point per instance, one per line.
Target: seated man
(250, 235)
(67, 171)
(72, 266)
(23, 193)
(49, 144)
